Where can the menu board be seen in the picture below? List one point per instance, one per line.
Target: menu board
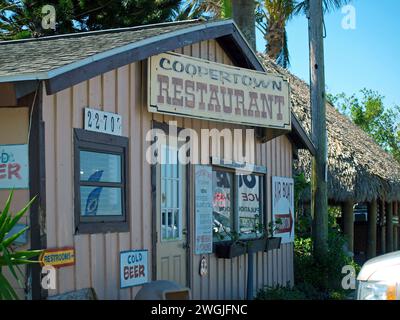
(203, 209)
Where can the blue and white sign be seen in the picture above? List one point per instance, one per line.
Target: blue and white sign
(133, 268)
(14, 166)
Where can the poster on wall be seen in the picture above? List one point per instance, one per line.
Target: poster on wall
(133, 268)
(249, 203)
(283, 208)
(204, 210)
(14, 166)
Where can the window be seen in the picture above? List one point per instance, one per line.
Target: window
(237, 204)
(101, 170)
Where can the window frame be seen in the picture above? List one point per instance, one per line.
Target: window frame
(108, 144)
(219, 165)
(179, 179)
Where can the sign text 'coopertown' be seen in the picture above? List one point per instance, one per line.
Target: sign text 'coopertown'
(198, 88)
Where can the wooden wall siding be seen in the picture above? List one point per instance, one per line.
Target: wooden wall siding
(97, 256)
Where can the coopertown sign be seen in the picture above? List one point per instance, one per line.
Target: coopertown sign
(187, 86)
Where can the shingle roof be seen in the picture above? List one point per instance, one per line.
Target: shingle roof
(39, 55)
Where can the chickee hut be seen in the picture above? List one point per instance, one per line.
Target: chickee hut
(160, 152)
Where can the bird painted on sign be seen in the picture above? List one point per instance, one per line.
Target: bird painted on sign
(92, 202)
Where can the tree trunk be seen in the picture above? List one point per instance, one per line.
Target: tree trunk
(274, 37)
(243, 13)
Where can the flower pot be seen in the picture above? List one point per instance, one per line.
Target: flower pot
(273, 243)
(229, 250)
(256, 245)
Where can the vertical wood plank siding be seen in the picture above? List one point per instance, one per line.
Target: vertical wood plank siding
(123, 91)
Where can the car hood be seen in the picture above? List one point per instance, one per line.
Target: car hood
(382, 268)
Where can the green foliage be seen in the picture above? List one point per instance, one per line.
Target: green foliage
(368, 111)
(272, 17)
(315, 280)
(280, 292)
(22, 19)
(8, 257)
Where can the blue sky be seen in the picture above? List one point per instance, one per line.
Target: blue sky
(368, 56)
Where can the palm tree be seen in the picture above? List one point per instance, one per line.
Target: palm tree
(272, 17)
(242, 11)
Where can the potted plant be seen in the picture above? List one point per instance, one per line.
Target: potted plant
(273, 242)
(231, 248)
(10, 258)
(258, 243)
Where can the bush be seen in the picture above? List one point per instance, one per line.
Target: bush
(315, 280)
(280, 292)
(322, 279)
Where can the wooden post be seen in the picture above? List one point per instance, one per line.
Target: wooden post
(371, 234)
(398, 226)
(318, 128)
(382, 225)
(348, 223)
(389, 227)
(395, 230)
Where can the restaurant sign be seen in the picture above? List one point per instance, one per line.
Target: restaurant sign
(283, 208)
(14, 166)
(133, 268)
(196, 88)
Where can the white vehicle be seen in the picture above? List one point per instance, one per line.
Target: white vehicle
(379, 278)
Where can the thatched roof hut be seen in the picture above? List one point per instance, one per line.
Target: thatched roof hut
(358, 168)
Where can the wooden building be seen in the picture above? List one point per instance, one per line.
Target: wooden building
(49, 86)
(359, 171)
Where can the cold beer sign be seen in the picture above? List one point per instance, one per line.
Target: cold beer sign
(14, 166)
(133, 268)
(283, 208)
(196, 88)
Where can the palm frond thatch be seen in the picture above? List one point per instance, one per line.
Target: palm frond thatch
(358, 168)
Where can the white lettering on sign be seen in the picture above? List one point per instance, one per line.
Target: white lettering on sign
(101, 121)
(133, 268)
(198, 88)
(14, 166)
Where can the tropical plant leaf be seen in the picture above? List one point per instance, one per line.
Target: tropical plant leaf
(19, 215)
(6, 290)
(4, 213)
(14, 237)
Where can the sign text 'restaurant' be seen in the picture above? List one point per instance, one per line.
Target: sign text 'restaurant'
(197, 88)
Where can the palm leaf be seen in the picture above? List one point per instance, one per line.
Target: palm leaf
(6, 290)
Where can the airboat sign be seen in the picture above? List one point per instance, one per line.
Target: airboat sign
(283, 208)
(14, 166)
(192, 87)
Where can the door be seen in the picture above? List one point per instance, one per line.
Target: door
(171, 218)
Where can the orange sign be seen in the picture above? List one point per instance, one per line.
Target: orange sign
(59, 257)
